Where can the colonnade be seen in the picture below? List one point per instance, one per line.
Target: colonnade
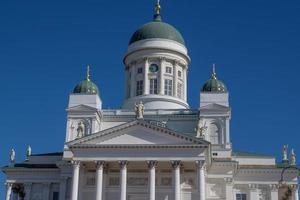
(151, 177)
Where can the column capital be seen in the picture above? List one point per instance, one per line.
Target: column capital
(64, 178)
(145, 59)
(175, 164)
(228, 180)
(47, 184)
(123, 163)
(253, 186)
(27, 184)
(8, 184)
(162, 59)
(99, 164)
(151, 163)
(201, 164)
(176, 62)
(75, 163)
(294, 187)
(274, 187)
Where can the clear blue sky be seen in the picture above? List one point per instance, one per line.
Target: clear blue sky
(45, 45)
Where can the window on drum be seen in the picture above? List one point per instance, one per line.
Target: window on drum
(139, 87)
(153, 86)
(168, 87)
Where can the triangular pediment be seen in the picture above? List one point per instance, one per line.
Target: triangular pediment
(82, 108)
(137, 133)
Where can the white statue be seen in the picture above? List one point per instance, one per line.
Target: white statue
(12, 156)
(284, 153)
(80, 129)
(293, 158)
(139, 110)
(201, 129)
(28, 152)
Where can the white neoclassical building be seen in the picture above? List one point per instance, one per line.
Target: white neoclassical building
(155, 147)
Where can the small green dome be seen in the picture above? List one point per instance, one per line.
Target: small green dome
(214, 85)
(86, 86)
(157, 29)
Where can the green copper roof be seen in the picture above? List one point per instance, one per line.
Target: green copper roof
(214, 85)
(157, 29)
(86, 86)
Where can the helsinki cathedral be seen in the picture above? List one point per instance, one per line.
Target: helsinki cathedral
(156, 147)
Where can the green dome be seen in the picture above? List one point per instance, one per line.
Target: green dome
(86, 87)
(214, 85)
(157, 29)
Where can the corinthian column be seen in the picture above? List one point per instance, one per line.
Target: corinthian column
(151, 167)
(201, 178)
(75, 182)
(295, 192)
(8, 190)
(176, 179)
(123, 174)
(253, 191)
(99, 179)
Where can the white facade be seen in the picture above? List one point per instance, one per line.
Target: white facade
(160, 149)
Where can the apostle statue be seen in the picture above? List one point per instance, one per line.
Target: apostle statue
(284, 153)
(80, 129)
(201, 129)
(139, 110)
(293, 158)
(12, 156)
(28, 152)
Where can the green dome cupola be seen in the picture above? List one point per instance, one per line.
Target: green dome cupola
(86, 86)
(157, 29)
(214, 85)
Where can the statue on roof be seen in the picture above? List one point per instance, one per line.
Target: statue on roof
(201, 128)
(139, 110)
(12, 156)
(28, 152)
(80, 129)
(293, 158)
(284, 153)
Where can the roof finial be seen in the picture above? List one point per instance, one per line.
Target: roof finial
(284, 153)
(293, 158)
(214, 75)
(88, 72)
(157, 7)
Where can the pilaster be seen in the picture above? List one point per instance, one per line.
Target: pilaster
(274, 191)
(27, 190)
(63, 188)
(146, 79)
(253, 191)
(46, 193)
(161, 77)
(229, 188)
